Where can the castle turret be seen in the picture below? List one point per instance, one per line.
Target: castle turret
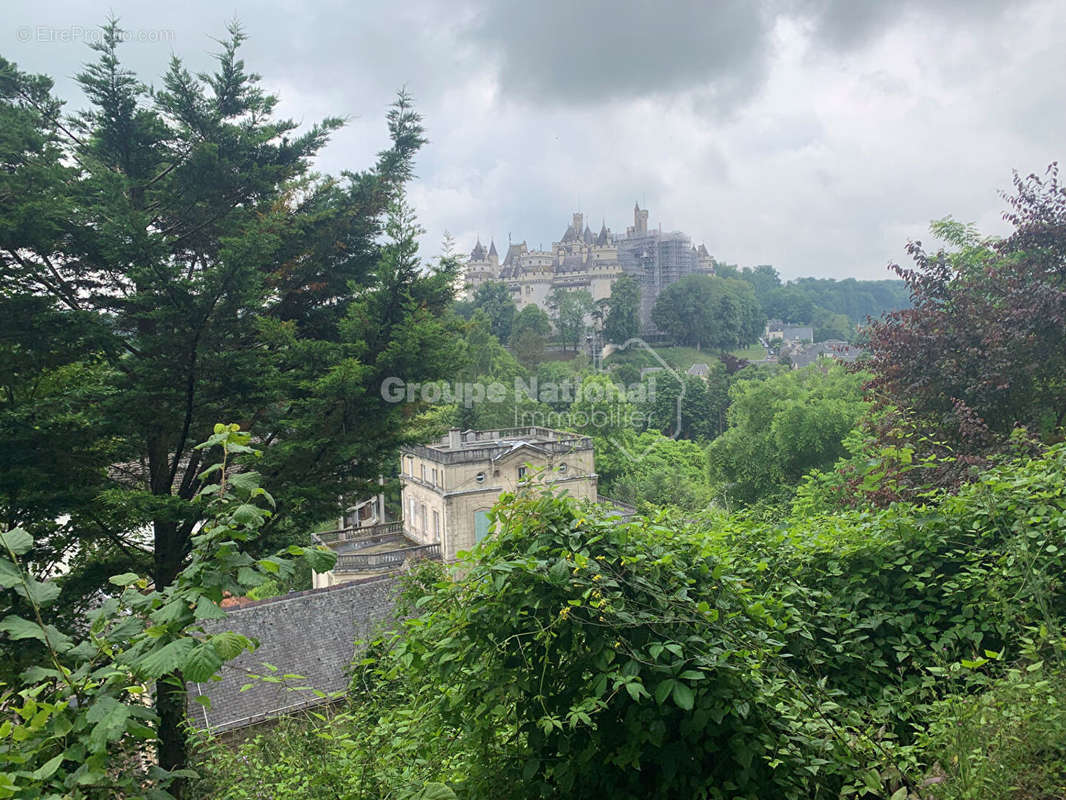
(640, 220)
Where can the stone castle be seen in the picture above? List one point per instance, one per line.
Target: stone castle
(584, 260)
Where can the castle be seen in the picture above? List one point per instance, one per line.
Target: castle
(584, 260)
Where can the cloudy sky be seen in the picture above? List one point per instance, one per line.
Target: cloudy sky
(815, 135)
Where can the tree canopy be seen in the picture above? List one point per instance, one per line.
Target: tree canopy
(191, 267)
(703, 310)
(623, 310)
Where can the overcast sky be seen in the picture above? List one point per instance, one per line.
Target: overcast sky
(815, 135)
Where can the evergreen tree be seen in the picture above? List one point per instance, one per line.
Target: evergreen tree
(206, 274)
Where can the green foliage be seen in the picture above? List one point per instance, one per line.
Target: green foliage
(79, 725)
(782, 427)
(659, 471)
(701, 310)
(911, 652)
(530, 334)
(168, 259)
(623, 315)
(569, 308)
(589, 658)
(693, 407)
(493, 299)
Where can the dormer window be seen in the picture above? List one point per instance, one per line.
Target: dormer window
(521, 473)
(480, 477)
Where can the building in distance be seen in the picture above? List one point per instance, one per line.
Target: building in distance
(591, 261)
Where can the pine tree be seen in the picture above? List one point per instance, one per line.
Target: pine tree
(210, 275)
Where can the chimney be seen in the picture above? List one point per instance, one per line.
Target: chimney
(455, 439)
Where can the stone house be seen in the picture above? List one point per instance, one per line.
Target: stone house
(448, 488)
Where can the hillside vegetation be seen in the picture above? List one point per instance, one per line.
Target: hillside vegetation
(914, 651)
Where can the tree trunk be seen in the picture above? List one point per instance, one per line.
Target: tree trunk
(169, 553)
(172, 747)
(170, 700)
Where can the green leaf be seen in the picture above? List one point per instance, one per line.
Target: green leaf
(319, 559)
(229, 645)
(165, 659)
(41, 593)
(110, 717)
(899, 794)
(249, 516)
(17, 541)
(662, 691)
(206, 608)
(683, 696)
(436, 791)
(9, 574)
(249, 577)
(201, 663)
(18, 628)
(125, 579)
(47, 769)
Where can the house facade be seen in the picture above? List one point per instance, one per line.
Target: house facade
(448, 488)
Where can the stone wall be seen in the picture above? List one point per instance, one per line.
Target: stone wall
(310, 633)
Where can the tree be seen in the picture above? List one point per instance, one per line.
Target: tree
(494, 299)
(623, 314)
(569, 308)
(828, 325)
(782, 427)
(703, 310)
(763, 278)
(529, 335)
(669, 472)
(983, 349)
(86, 724)
(221, 279)
(703, 403)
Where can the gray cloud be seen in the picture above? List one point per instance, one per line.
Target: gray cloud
(817, 135)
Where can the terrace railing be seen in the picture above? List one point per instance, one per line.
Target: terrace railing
(392, 559)
(370, 532)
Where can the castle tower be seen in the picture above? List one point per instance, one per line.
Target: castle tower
(640, 220)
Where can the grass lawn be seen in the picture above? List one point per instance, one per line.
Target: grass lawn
(681, 358)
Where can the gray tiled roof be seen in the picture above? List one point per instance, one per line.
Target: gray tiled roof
(310, 633)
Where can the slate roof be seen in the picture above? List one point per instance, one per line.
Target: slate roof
(604, 237)
(310, 633)
(700, 370)
(513, 251)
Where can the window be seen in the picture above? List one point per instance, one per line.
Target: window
(436, 526)
(562, 467)
(434, 477)
(423, 518)
(480, 477)
(423, 473)
(521, 473)
(481, 525)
